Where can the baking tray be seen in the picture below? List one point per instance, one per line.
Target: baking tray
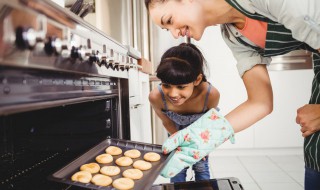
(149, 176)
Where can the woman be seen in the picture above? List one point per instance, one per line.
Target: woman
(256, 30)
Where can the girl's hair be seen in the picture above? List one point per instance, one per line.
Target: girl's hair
(181, 65)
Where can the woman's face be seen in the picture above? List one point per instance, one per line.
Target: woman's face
(181, 18)
(177, 94)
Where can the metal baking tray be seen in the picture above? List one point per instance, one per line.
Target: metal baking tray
(149, 176)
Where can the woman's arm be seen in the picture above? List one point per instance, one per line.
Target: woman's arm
(259, 102)
(156, 102)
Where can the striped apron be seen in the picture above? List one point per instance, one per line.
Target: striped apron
(279, 41)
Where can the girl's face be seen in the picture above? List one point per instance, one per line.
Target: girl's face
(178, 94)
(181, 18)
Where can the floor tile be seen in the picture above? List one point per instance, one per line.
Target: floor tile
(280, 186)
(262, 167)
(250, 186)
(285, 159)
(297, 176)
(242, 176)
(254, 159)
(289, 167)
(271, 177)
(257, 172)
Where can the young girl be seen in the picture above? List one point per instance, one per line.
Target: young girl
(183, 96)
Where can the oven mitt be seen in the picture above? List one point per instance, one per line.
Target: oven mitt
(196, 141)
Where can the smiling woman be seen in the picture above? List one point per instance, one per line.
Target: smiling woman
(173, 17)
(291, 25)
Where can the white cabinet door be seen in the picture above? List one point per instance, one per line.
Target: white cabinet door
(134, 87)
(140, 115)
(135, 124)
(145, 108)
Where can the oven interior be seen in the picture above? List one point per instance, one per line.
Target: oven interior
(37, 143)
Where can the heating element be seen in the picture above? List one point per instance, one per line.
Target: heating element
(63, 89)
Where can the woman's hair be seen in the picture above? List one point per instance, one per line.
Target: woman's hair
(150, 3)
(181, 65)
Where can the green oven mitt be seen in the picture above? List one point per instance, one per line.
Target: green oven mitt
(196, 141)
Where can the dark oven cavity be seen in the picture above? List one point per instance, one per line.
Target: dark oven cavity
(35, 144)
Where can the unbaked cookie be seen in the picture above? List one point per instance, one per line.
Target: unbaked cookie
(123, 183)
(101, 180)
(91, 167)
(124, 161)
(134, 153)
(132, 173)
(82, 176)
(104, 158)
(110, 170)
(142, 165)
(152, 156)
(113, 150)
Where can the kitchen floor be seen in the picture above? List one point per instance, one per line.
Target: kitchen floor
(262, 172)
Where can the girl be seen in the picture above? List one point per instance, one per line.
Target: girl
(256, 30)
(183, 96)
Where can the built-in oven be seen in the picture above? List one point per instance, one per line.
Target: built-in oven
(64, 93)
(63, 89)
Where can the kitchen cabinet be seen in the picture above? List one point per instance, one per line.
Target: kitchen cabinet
(140, 113)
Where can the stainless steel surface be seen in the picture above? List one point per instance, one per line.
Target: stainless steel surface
(114, 17)
(40, 34)
(298, 59)
(25, 90)
(50, 57)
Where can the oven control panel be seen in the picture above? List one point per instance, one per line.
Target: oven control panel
(39, 34)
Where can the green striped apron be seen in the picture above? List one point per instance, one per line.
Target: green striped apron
(279, 41)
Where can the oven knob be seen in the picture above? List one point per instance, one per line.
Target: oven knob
(49, 46)
(103, 60)
(122, 67)
(110, 62)
(52, 45)
(127, 67)
(64, 49)
(116, 66)
(94, 57)
(26, 38)
(127, 63)
(74, 53)
(109, 65)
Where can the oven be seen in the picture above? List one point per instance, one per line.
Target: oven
(63, 89)
(64, 94)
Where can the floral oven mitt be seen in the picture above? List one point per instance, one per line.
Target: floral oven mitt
(196, 141)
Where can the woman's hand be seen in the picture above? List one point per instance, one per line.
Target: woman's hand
(308, 117)
(196, 141)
